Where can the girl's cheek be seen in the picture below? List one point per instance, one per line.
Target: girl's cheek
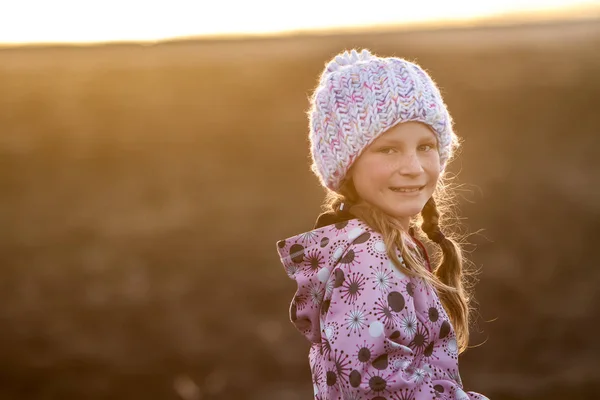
(431, 159)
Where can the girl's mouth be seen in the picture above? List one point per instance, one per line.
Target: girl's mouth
(406, 189)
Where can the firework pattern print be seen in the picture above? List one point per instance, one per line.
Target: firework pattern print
(375, 333)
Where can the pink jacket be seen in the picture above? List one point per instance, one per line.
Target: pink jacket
(375, 333)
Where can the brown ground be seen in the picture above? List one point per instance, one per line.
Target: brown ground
(143, 189)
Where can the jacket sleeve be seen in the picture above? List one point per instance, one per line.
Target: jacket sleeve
(305, 260)
(385, 335)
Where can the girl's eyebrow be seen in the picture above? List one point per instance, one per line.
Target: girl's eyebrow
(388, 141)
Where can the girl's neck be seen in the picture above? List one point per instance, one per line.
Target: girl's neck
(404, 223)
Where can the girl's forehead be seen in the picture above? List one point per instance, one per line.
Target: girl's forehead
(407, 131)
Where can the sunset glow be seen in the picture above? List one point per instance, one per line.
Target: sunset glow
(44, 21)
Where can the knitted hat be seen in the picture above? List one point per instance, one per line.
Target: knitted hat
(359, 97)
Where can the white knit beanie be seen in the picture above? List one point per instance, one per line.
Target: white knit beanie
(359, 97)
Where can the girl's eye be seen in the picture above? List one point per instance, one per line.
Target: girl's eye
(427, 147)
(386, 150)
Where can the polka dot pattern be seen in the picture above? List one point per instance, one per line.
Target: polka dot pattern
(375, 332)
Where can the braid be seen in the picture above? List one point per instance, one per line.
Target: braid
(449, 272)
(337, 207)
(430, 225)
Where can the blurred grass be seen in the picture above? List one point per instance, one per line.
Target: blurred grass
(143, 189)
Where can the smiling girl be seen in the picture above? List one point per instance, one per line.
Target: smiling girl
(382, 321)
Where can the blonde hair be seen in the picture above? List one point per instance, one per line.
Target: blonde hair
(448, 277)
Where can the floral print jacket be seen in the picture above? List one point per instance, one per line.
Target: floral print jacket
(375, 332)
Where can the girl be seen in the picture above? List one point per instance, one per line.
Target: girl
(383, 323)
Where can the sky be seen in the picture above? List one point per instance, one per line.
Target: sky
(84, 21)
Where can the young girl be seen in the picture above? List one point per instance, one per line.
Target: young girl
(383, 322)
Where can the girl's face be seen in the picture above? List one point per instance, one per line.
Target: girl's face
(399, 171)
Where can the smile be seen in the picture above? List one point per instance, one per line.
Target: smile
(407, 189)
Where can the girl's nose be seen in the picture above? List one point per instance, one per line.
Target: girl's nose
(410, 164)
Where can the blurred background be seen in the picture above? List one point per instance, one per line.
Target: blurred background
(144, 183)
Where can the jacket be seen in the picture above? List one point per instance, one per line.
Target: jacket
(375, 332)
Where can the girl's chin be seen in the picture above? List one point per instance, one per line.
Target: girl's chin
(406, 211)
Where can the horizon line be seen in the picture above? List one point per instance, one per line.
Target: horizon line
(572, 14)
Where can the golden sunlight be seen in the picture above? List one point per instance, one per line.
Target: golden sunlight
(76, 21)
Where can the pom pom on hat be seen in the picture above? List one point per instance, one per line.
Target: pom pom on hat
(344, 59)
(359, 97)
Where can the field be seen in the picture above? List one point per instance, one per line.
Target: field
(143, 188)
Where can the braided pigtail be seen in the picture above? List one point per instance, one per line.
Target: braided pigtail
(449, 272)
